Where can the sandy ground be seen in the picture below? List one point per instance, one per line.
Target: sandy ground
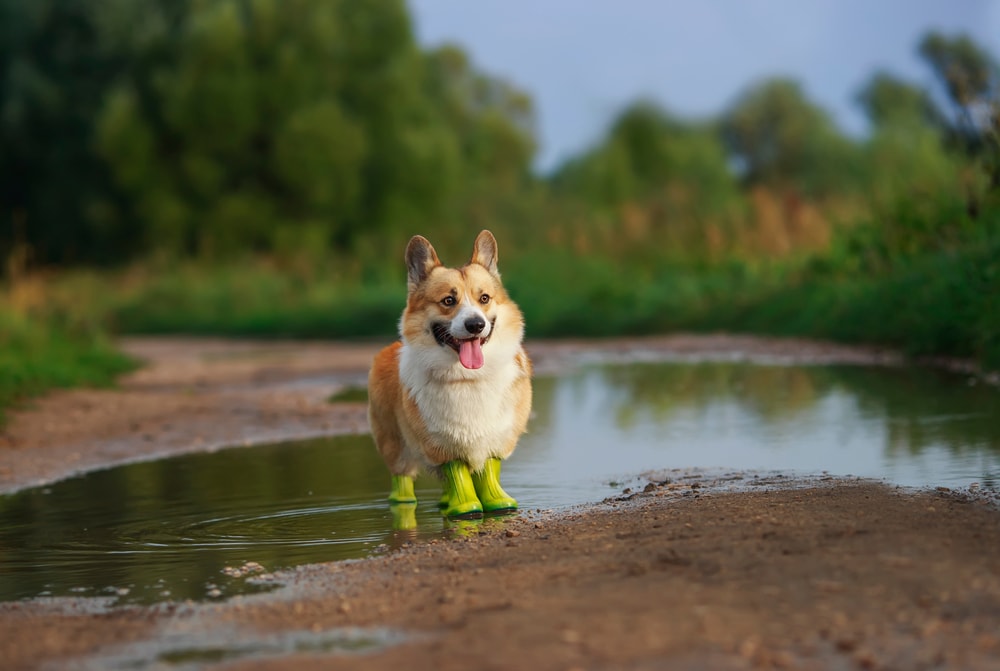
(825, 574)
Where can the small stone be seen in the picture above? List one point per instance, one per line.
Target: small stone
(749, 648)
(512, 533)
(865, 659)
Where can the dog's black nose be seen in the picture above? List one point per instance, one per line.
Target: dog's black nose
(475, 324)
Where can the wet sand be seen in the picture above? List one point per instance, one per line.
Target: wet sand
(825, 574)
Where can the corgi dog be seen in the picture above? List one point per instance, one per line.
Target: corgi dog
(453, 395)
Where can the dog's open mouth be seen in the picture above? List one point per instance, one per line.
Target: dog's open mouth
(470, 350)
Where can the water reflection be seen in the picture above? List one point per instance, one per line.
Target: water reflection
(187, 527)
(911, 426)
(192, 526)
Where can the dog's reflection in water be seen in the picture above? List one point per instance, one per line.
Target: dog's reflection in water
(404, 523)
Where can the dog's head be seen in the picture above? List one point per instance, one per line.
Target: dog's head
(461, 310)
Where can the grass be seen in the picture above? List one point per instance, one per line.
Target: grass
(349, 395)
(936, 302)
(38, 355)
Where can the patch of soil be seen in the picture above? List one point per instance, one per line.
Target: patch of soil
(823, 575)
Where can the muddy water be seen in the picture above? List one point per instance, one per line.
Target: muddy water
(197, 526)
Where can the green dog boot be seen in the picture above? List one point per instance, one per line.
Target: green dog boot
(402, 490)
(491, 494)
(459, 491)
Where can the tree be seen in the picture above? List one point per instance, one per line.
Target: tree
(493, 120)
(971, 78)
(645, 151)
(781, 139)
(967, 72)
(54, 73)
(888, 100)
(277, 123)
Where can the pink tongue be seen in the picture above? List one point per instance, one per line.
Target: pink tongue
(470, 353)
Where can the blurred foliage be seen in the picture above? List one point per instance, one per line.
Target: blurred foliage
(256, 167)
(971, 77)
(36, 355)
(215, 128)
(889, 102)
(782, 140)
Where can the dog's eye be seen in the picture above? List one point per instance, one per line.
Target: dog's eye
(448, 301)
(484, 299)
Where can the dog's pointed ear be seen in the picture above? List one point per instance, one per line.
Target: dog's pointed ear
(484, 252)
(421, 259)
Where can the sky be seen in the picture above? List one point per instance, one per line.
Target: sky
(582, 61)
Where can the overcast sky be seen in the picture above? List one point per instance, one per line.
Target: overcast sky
(582, 60)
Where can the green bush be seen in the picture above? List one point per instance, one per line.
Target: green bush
(36, 355)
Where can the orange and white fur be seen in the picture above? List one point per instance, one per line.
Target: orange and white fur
(454, 394)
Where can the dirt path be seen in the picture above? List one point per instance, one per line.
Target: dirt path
(825, 575)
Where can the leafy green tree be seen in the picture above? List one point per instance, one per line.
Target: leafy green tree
(493, 120)
(781, 139)
(967, 72)
(277, 123)
(54, 72)
(888, 100)
(655, 187)
(970, 76)
(645, 152)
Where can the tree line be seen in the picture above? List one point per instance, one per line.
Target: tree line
(213, 128)
(206, 127)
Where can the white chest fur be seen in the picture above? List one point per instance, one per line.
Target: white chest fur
(470, 414)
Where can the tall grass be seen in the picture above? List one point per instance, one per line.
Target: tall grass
(39, 354)
(935, 299)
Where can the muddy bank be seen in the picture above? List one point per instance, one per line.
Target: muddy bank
(821, 574)
(834, 575)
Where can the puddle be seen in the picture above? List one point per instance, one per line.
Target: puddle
(196, 526)
(201, 526)
(186, 648)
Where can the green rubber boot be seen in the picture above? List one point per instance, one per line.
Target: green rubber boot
(489, 491)
(402, 490)
(459, 491)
